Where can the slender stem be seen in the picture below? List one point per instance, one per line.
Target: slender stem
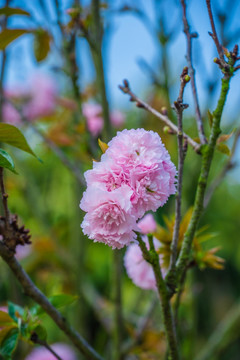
(141, 327)
(118, 328)
(207, 158)
(140, 103)
(214, 33)
(45, 344)
(98, 62)
(179, 109)
(35, 294)
(227, 330)
(227, 167)
(153, 258)
(4, 199)
(189, 38)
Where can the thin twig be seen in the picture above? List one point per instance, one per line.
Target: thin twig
(35, 340)
(118, 316)
(189, 38)
(35, 294)
(141, 327)
(227, 167)
(141, 104)
(179, 107)
(4, 199)
(214, 34)
(98, 63)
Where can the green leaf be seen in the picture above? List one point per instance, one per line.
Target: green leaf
(41, 44)
(4, 331)
(210, 118)
(58, 301)
(9, 35)
(6, 161)
(5, 319)
(41, 332)
(15, 311)
(13, 11)
(11, 135)
(9, 344)
(223, 148)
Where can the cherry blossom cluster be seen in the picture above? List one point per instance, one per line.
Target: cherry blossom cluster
(135, 175)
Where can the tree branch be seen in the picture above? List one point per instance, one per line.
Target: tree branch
(35, 294)
(189, 38)
(214, 35)
(141, 104)
(152, 257)
(207, 158)
(179, 107)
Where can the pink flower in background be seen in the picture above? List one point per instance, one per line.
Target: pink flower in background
(36, 100)
(43, 97)
(93, 114)
(4, 309)
(117, 118)
(41, 353)
(108, 217)
(10, 114)
(138, 269)
(22, 251)
(147, 224)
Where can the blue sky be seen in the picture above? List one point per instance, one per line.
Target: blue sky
(130, 41)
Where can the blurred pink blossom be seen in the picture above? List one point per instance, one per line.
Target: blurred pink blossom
(41, 353)
(93, 114)
(147, 224)
(22, 251)
(117, 118)
(36, 100)
(138, 269)
(10, 114)
(4, 308)
(43, 95)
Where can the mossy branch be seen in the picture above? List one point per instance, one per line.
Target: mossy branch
(152, 257)
(207, 157)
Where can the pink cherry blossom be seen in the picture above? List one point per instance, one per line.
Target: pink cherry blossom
(147, 224)
(108, 219)
(138, 269)
(63, 350)
(93, 114)
(138, 159)
(117, 118)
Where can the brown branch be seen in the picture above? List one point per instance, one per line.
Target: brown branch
(4, 200)
(35, 294)
(141, 104)
(214, 35)
(179, 107)
(189, 38)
